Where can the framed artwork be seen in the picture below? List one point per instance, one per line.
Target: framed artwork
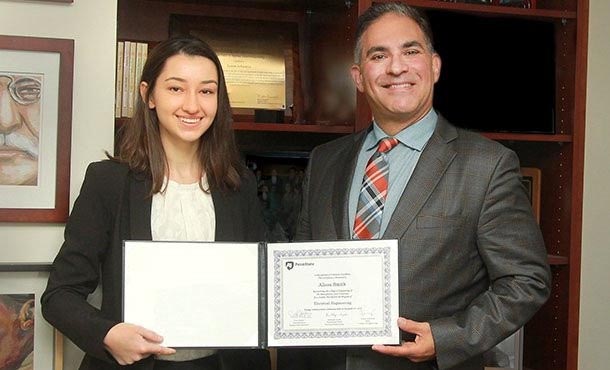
(531, 180)
(28, 341)
(507, 355)
(35, 126)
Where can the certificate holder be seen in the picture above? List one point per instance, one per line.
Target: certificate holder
(246, 295)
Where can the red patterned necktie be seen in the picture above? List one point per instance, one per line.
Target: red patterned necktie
(367, 223)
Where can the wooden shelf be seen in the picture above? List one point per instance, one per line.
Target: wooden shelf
(558, 138)
(290, 127)
(483, 9)
(274, 127)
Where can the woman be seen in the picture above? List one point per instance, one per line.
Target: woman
(178, 176)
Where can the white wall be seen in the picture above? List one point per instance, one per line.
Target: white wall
(92, 25)
(595, 269)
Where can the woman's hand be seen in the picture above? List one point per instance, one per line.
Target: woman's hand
(129, 343)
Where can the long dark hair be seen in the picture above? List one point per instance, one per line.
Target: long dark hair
(140, 143)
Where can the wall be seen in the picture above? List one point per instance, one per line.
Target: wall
(595, 268)
(92, 26)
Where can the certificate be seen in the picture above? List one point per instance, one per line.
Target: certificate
(255, 80)
(333, 293)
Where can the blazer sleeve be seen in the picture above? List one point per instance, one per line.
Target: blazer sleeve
(510, 244)
(76, 269)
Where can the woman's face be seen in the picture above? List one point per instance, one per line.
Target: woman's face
(185, 98)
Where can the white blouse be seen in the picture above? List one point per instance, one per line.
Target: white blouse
(183, 212)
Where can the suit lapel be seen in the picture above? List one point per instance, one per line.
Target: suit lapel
(346, 161)
(432, 164)
(139, 207)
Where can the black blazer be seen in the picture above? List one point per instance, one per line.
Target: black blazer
(114, 205)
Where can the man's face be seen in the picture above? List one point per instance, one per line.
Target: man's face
(16, 332)
(19, 129)
(397, 71)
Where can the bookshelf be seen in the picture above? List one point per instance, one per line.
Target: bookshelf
(319, 36)
(317, 48)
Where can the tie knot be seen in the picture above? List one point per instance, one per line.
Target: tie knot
(386, 144)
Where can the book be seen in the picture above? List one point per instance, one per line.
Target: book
(141, 55)
(132, 77)
(126, 66)
(118, 94)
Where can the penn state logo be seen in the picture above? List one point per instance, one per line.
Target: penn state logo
(289, 265)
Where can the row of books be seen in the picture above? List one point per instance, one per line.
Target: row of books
(131, 57)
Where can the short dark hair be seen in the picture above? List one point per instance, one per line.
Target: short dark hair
(378, 10)
(140, 146)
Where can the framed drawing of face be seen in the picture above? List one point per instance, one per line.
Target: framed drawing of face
(35, 126)
(27, 342)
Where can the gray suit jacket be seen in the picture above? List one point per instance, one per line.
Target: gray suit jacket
(114, 205)
(472, 258)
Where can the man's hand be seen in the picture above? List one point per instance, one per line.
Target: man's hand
(129, 343)
(422, 349)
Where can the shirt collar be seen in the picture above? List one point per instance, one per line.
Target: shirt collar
(414, 136)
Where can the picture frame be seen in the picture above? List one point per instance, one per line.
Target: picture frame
(531, 179)
(507, 355)
(29, 281)
(36, 79)
(60, 1)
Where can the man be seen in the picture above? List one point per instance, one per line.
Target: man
(473, 263)
(16, 331)
(19, 128)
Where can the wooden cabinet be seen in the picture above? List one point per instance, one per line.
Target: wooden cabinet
(319, 35)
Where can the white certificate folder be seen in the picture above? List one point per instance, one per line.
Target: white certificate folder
(258, 295)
